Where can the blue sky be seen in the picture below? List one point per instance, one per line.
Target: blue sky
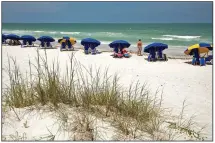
(107, 12)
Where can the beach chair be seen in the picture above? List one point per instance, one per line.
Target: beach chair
(209, 59)
(86, 49)
(194, 61)
(126, 55)
(115, 50)
(197, 56)
(202, 61)
(93, 51)
(42, 44)
(48, 45)
(45, 44)
(86, 52)
(70, 46)
(30, 43)
(63, 46)
(24, 42)
(3, 41)
(151, 56)
(161, 56)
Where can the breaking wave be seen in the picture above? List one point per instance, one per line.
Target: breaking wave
(182, 37)
(167, 39)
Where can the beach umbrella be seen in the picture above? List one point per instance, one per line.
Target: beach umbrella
(209, 46)
(201, 47)
(155, 46)
(4, 36)
(200, 51)
(90, 41)
(28, 38)
(70, 39)
(46, 39)
(66, 37)
(13, 37)
(120, 43)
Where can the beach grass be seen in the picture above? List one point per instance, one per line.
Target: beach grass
(134, 112)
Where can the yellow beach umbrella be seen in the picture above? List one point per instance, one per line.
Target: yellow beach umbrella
(202, 48)
(72, 40)
(193, 47)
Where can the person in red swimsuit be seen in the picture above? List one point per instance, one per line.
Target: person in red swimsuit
(139, 46)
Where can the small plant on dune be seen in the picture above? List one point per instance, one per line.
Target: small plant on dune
(15, 137)
(83, 127)
(185, 126)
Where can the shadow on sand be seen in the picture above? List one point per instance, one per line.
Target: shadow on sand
(75, 50)
(190, 63)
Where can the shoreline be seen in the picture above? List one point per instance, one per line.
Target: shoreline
(171, 53)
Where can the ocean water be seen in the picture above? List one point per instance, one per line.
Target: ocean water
(177, 36)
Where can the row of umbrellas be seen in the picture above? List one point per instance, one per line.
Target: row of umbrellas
(27, 37)
(201, 47)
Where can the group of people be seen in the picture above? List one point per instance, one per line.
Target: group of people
(120, 52)
(45, 44)
(14, 42)
(67, 46)
(90, 48)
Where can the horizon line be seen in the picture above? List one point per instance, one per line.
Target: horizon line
(107, 23)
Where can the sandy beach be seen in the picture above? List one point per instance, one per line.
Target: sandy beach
(178, 80)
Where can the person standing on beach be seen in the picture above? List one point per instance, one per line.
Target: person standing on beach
(139, 46)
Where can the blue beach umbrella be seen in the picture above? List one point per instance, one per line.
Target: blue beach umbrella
(209, 46)
(90, 41)
(13, 37)
(66, 37)
(120, 43)
(4, 37)
(46, 39)
(155, 47)
(28, 38)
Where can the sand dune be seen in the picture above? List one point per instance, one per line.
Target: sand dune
(178, 79)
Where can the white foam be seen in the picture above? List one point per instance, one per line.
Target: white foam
(74, 33)
(52, 32)
(182, 37)
(38, 31)
(15, 31)
(167, 39)
(108, 34)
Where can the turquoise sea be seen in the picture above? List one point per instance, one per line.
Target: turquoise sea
(176, 35)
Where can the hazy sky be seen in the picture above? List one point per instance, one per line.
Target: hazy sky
(107, 12)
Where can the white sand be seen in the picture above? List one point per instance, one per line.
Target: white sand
(178, 79)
